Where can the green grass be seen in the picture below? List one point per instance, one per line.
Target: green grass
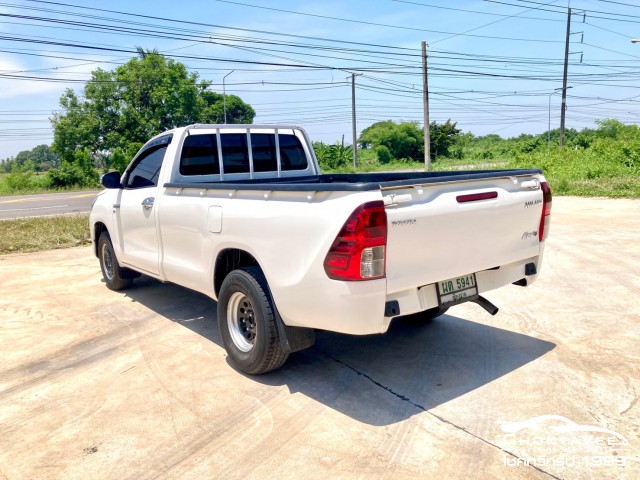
(29, 182)
(449, 164)
(367, 162)
(23, 183)
(608, 169)
(11, 184)
(44, 233)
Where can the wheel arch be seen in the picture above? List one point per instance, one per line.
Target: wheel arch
(98, 229)
(229, 260)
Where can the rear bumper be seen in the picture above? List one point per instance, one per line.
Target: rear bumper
(357, 308)
(423, 298)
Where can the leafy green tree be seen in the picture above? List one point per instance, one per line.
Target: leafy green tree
(42, 157)
(615, 129)
(405, 140)
(442, 137)
(402, 140)
(122, 108)
(7, 164)
(78, 173)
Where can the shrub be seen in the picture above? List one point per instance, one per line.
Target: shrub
(72, 175)
(383, 154)
(80, 173)
(483, 155)
(19, 180)
(334, 156)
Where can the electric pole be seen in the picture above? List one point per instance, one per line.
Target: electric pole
(353, 120)
(425, 101)
(224, 95)
(564, 79)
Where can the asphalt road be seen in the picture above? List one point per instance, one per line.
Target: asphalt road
(100, 384)
(46, 204)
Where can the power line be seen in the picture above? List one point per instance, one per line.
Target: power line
(591, 13)
(291, 35)
(485, 25)
(620, 3)
(183, 22)
(478, 12)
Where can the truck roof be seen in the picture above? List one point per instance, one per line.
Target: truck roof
(227, 126)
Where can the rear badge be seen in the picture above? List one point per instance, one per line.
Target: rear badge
(403, 223)
(526, 235)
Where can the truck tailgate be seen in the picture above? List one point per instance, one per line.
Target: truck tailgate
(445, 230)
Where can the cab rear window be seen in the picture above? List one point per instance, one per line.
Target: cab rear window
(199, 156)
(263, 150)
(235, 155)
(292, 155)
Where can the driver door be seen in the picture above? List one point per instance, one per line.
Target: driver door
(136, 215)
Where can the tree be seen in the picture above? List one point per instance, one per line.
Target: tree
(403, 140)
(442, 137)
(122, 108)
(42, 157)
(7, 164)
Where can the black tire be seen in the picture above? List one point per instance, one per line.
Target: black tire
(247, 322)
(116, 277)
(426, 316)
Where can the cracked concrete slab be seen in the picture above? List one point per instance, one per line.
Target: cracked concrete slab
(100, 384)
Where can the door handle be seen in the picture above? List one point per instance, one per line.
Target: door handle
(147, 203)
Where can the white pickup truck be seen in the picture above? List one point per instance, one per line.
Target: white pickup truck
(242, 214)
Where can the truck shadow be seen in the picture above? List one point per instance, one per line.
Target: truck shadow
(376, 379)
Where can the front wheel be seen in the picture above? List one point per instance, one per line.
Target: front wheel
(247, 322)
(114, 275)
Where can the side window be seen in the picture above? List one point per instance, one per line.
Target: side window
(235, 155)
(292, 154)
(199, 155)
(263, 149)
(147, 169)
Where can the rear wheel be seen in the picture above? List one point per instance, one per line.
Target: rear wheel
(247, 322)
(114, 275)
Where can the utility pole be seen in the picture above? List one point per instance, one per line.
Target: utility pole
(224, 95)
(425, 101)
(564, 79)
(353, 119)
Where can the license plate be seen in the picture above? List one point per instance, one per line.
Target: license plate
(456, 289)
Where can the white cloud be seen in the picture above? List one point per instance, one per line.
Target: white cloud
(15, 87)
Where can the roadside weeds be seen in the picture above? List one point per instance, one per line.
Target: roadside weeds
(43, 233)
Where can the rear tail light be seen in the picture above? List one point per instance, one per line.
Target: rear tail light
(543, 231)
(359, 251)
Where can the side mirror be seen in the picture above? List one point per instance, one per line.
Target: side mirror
(111, 180)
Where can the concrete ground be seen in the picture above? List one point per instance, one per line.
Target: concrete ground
(99, 384)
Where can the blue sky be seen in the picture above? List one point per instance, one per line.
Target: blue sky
(493, 64)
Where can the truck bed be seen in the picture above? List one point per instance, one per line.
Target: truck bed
(354, 182)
